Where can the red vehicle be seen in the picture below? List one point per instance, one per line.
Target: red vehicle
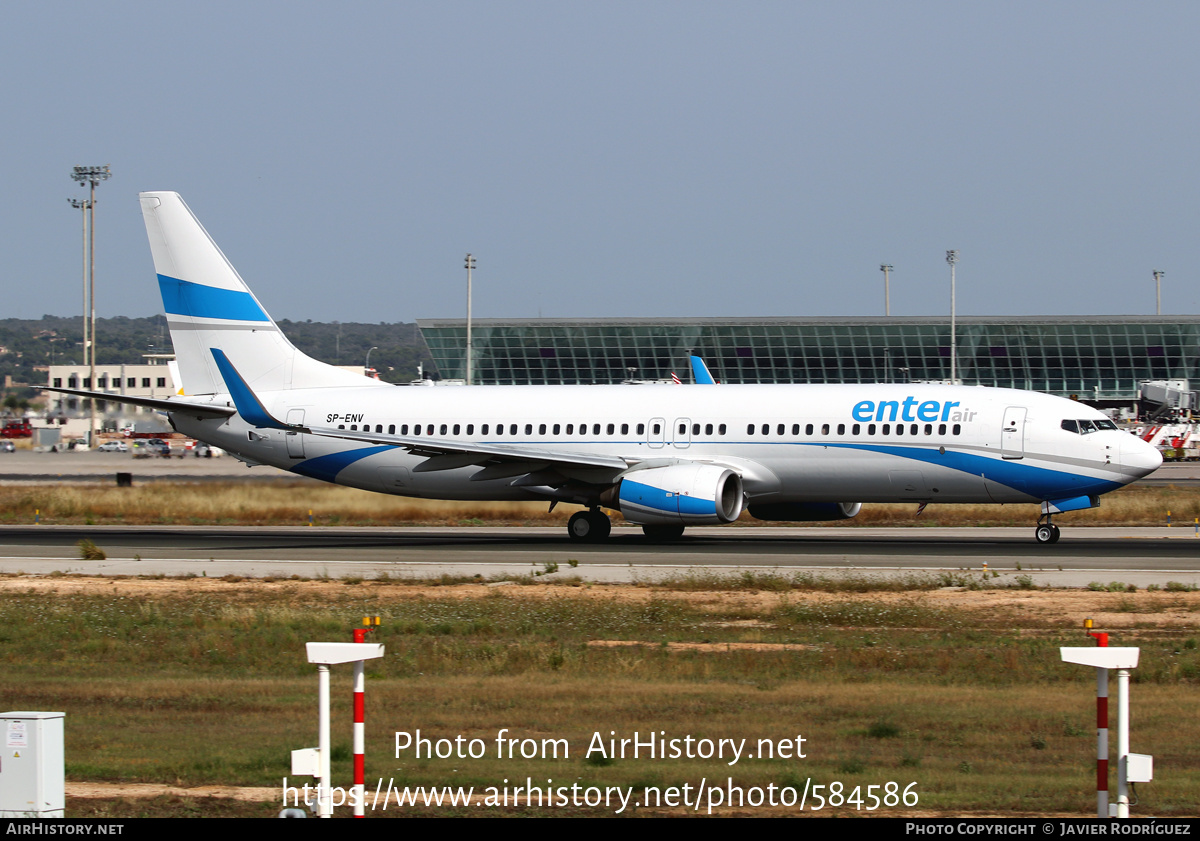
(17, 428)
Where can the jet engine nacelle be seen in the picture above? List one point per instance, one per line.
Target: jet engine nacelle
(805, 511)
(692, 494)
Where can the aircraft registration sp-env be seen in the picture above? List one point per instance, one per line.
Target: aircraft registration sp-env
(665, 456)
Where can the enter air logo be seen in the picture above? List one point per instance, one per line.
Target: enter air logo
(910, 409)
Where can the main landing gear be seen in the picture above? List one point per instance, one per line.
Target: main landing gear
(1046, 532)
(590, 526)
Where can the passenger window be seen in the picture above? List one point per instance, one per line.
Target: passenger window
(708, 429)
(641, 429)
(391, 429)
(470, 429)
(957, 430)
(854, 430)
(429, 429)
(899, 429)
(341, 426)
(354, 426)
(528, 429)
(824, 429)
(887, 429)
(928, 429)
(442, 429)
(941, 429)
(808, 429)
(624, 429)
(512, 429)
(570, 429)
(749, 429)
(841, 429)
(541, 429)
(556, 429)
(657, 428)
(795, 429)
(457, 428)
(721, 429)
(695, 429)
(779, 429)
(595, 429)
(404, 429)
(870, 429)
(610, 429)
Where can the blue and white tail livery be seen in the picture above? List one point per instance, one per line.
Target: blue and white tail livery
(665, 457)
(209, 305)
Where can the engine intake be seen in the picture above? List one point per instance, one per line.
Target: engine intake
(692, 494)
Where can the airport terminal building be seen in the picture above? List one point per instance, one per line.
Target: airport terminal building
(1096, 358)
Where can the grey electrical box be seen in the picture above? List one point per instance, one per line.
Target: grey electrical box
(1140, 768)
(32, 765)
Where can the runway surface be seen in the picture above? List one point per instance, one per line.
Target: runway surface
(1084, 555)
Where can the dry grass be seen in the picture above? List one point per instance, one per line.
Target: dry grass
(288, 502)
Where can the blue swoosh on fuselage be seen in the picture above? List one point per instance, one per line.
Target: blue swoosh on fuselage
(327, 468)
(1040, 482)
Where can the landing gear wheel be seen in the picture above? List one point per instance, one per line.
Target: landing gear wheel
(589, 526)
(1045, 533)
(580, 526)
(662, 532)
(601, 525)
(1057, 533)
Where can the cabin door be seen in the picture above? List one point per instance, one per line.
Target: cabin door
(1012, 434)
(295, 441)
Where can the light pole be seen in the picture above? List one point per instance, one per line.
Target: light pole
(952, 258)
(1158, 292)
(84, 205)
(91, 175)
(887, 296)
(470, 265)
(367, 364)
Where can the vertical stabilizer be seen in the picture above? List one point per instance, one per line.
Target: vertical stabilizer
(208, 306)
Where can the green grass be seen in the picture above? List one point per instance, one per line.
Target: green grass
(212, 687)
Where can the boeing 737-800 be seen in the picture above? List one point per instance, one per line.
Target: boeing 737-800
(665, 456)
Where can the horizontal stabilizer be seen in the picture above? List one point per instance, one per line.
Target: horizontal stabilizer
(200, 410)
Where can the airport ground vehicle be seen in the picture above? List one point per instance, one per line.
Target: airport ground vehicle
(16, 428)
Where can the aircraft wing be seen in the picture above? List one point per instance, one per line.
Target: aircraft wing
(446, 453)
(498, 460)
(200, 410)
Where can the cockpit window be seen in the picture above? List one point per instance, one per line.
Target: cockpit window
(1083, 427)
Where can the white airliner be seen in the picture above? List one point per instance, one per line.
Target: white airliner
(665, 456)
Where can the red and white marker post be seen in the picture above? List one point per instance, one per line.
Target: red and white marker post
(370, 623)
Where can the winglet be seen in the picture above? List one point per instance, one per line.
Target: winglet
(244, 399)
(700, 372)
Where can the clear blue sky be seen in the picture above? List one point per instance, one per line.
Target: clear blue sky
(613, 159)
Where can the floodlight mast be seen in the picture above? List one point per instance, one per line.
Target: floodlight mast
(887, 269)
(470, 266)
(952, 259)
(90, 175)
(1158, 276)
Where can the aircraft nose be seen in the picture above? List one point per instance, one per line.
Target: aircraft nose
(1139, 457)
